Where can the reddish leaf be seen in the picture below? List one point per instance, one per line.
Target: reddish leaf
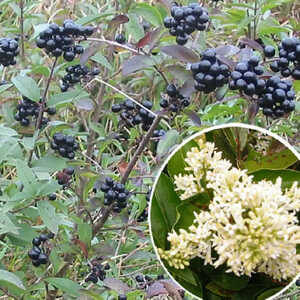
(136, 63)
(227, 50)
(194, 118)
(252, 111)
(156, 289)
(149, 38)
(174, 290)
(122, 166)
(82, 246)
(252, 44)
(118, 20)
(179, 72)
(181, 53)
(89, 51)
(245, 54)
(116, 285)
(227, 61)
(188, 88)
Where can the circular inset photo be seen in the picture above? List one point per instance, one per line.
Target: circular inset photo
(225, 214)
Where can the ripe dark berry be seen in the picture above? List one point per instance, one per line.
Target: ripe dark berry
(120, 38)
(297, 282)
(36, 241)
(77, 74)
(122, 297)
(116, 108)
(139, 278)
(185, 20)
(43, 258)
(9, 49)
(171, 90)
(52, 197)
(33, 254)
(51, 235)
(269, 51)
(43, 237)
(65, 145)
(36, 263)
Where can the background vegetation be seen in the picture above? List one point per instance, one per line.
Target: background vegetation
(84, 228)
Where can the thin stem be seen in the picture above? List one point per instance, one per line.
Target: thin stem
(127, 96)
(129, 168)
(22, 30)
(112, 43)
(42, 107)
(288, 295)
(43, 104)
(255, 19)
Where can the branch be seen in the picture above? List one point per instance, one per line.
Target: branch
(129, 168)
(43, 104)
(22, 30)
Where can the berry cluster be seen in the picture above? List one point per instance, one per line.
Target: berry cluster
(63, 177)
(37, 254)
(97, 272)
(245, 77)
(175, 101)
(133, 115)
(120, 38)
(75, 74)
(144, 215)
(142, 280)
(289, 58)
(60, 40)
(65, 145)
(278, 97)
(185, 20)
(116, 193)
(28, 108)
(209, 73)
(9, 49)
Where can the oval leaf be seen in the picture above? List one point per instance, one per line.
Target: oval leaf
(8, 277)
(27, 87)
(181, 53)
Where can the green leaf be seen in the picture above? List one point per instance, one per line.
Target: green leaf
(250, 292)
(49, 163)
(67, 97)
(66, 285)
(48, 215)
(217, 290)
(288, 176)
(10, 278)
(163, 210)
(150, 13)
(177, 164)
(276, 161)
(134, 27)
(269, 293)
(170, 139)
(187, 208)
(185, 274)
(4, 87)
(27, 87)
(158, 225)
(6, 131)
(85, 233)
(102, 60)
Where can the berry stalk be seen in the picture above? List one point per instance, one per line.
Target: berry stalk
(129, 168)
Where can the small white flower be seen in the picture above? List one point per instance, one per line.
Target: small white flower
(252, 227)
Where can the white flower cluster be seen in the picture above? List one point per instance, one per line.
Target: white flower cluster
(251, 226)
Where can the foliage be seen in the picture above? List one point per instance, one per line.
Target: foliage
(85, 229)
